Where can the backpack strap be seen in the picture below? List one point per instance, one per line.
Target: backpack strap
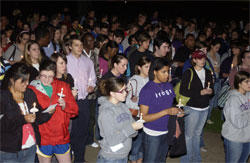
(191, 78)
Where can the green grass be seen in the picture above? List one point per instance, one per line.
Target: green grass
(216, 118)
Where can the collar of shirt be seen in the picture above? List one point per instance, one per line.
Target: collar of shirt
(88, 55)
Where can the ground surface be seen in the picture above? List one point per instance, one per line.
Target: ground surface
(213, 143)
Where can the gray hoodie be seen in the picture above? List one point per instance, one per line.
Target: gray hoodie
(115, 123)
(237, 113)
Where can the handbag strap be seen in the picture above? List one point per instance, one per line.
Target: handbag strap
(136, 85)
(13, 53)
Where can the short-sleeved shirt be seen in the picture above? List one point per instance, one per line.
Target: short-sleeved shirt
(158, 97)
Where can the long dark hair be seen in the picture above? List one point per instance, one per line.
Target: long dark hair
(17, 71)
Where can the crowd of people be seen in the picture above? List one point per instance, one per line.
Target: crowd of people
(68, 82)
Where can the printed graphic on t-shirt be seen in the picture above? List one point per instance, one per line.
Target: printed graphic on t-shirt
(163, 93)
(245, 106)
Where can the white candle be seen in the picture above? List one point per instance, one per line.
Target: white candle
(208, 85)
(101, 71)
(179, 104)
(34, 109)
(61, 94)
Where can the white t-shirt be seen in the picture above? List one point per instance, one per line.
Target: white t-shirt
(36, 66)
(202, 76)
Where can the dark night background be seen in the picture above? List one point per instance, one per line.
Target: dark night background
(217, 10)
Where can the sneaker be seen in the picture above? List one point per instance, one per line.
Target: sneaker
(94, 145)
(210, 122)
(203, 149)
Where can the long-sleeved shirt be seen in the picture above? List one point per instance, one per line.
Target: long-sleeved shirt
(83, 73)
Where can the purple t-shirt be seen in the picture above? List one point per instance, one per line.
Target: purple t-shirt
(157, 96)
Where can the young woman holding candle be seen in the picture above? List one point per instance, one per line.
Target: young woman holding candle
(55, 136)
(155, 101)
(117, 127)
(18, 125)
(198, 104)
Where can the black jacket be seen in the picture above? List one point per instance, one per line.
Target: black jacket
(12, 121)
(196, 99)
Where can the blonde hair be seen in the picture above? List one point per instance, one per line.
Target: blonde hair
(27, 58)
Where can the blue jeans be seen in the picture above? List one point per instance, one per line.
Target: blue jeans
(97, 130)
(194, 123)
(236, 152)
(101, 159)
(136, 151)
(213, 103)
(27, 155)
(155, 148)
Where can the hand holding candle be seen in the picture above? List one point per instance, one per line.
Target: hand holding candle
(141, 120)
(61, 95)
(34, 109)
(179, 105)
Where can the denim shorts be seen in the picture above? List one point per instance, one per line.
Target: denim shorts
(50, 150)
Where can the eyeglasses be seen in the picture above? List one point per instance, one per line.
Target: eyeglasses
(47, 77)
(123, 90)
(246, 81)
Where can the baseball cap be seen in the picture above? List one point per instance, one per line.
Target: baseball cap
(198, 54)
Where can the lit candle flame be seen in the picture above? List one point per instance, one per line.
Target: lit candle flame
(34, 105)
(141, 116)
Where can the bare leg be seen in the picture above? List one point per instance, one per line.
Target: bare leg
(63, 158)
(43, 159)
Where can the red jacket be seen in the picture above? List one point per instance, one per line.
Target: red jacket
(55, 131)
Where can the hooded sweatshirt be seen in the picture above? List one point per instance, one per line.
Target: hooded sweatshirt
(115, 123)
(237, 113)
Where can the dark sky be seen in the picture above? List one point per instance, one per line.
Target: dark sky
(210, 9)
